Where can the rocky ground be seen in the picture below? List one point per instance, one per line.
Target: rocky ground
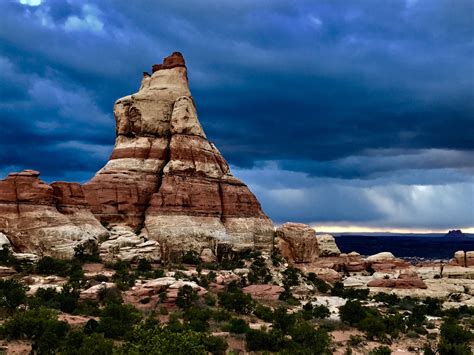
(303, 295)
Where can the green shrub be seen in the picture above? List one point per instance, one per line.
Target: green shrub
(210, 299)
(191, 257)
(186, 297)
(117, 319)
(66, 300)
(237, 301)
(259, 272)
(260, 340)
(454, 339)
(373, 326)
(158, 340)
(87, 253)
(144, 266)
(350, 293)
(79, 343)
(197, 318)
(12, 294)
(304, 336)
(237, 325)
(277, 258)
(355, 340)
(282, 320)
(321, 285)
(50, 266)
(290, 277)
(316, 311)
(123, 278)
(264, 313)
(6, 256)
(39, 325)
(352, 312)
(389, 299)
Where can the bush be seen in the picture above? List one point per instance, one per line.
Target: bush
(282, 320)
(317, 311)
(89, 253)
(454, 339)
(197, 318)
(373, 326)
(186, 297)
(39, 325)
(290, 277)
(264, 313)
(122, 277)
(191, 257)
(79, 343)
(66, 300)
(389, 299)
(350, 293)
(210, 299)
(237, 325)
(12, 294)
(237, 301)
(276, 257)
(260, 340)
(158, 340)
(6, 256)
(304, 336)
(117, 319)
(50, 266)
(259, 272)
(143, 266)
(352, 312)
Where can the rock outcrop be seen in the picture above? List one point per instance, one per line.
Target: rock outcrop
(45, 219)
(164, 181)
(299, 243)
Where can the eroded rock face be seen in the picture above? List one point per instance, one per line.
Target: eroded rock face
(298, 242)
(166, 177)
(164, 180)
(45, 219)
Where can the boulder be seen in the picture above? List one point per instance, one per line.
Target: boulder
(124, 244)
(297, 242)
(327, 245)
(406, 280)
(263, 292)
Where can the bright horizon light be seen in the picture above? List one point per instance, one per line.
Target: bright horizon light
(369, 229)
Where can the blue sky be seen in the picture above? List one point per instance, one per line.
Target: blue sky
(347, 113)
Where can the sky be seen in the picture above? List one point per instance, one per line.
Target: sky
(339, 114)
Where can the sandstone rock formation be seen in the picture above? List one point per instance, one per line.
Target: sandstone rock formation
(164, 181)
(167, 180)
(45, 219)
(299, 243)
(327, 245)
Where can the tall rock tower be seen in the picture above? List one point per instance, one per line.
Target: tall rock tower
(165, 179)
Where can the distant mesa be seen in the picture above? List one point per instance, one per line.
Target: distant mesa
(165, 186)
(455, 233)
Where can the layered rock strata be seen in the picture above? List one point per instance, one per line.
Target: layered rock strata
(45, 219)
(299, 243)
(167, 180)
(164, 182)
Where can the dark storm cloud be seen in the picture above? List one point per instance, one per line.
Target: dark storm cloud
(335, 89)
